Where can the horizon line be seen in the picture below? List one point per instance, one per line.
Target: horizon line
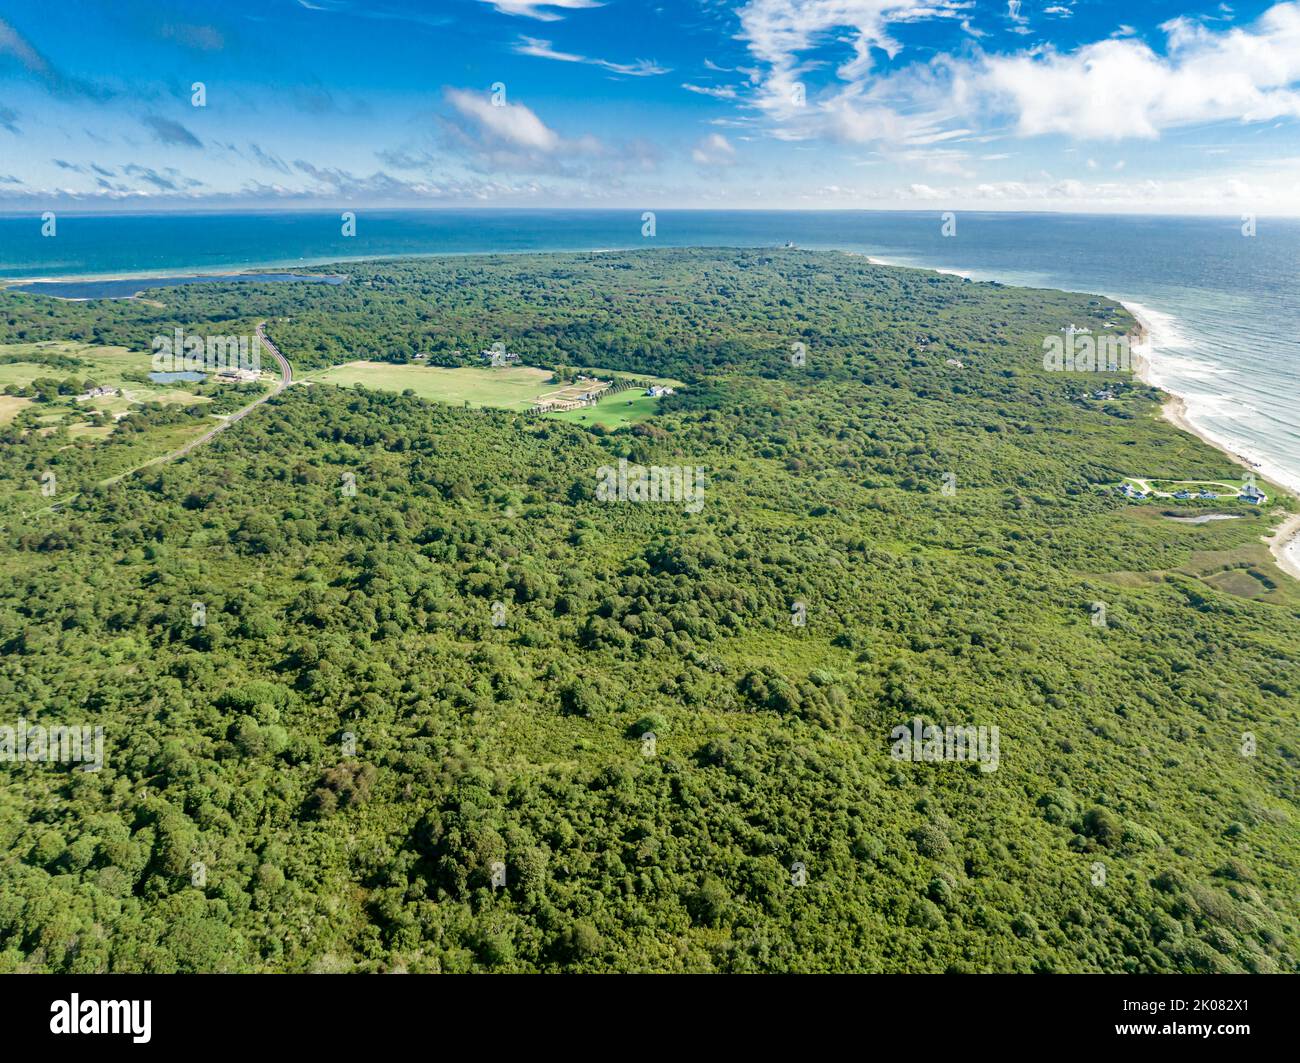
(193, 211)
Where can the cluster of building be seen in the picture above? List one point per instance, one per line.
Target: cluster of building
(1249, 493)
(499, 356)
(232, 373)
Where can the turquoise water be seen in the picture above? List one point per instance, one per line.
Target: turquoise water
(1222, 307)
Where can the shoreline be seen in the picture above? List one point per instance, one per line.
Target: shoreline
(155, 275)
(1284, 543)
(236, 269)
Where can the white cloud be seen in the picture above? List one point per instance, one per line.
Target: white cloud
(1114, 88)
(543, 50)
(1019, 22)
(713, 151)
(1122, 88)
(721, 92)
(510, 123)
(533, 8)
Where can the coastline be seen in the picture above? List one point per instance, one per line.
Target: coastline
(963, 274)
(154, 275)
(292, 265)
(1284, 543)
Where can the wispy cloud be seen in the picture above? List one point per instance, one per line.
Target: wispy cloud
(718, 92)
(543, 50)
(167, 131)
(535, 8)
(376, 12)
(713, 151)
(199, 37)
(16, 46)
(170, 180)
(269, 159)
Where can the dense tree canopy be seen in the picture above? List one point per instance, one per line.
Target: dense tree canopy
(409, 732)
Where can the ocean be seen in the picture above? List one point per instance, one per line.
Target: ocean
(1222, 307)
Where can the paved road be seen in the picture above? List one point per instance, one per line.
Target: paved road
(286, 378)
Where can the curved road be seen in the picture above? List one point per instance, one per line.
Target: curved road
(286, 378)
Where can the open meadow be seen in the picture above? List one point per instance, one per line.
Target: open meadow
(502, 387)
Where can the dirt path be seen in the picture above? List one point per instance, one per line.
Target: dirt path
(286, 378)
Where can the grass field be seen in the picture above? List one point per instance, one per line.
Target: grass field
(107, 366)
(618, 374)
(25, 372)
(10, 407)
(506, 387)
(613, 411)
(90, 431)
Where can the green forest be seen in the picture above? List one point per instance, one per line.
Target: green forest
(406, 727)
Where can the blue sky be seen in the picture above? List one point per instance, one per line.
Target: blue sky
(1056, 105)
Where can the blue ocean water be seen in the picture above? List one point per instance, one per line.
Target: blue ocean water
(1222, 307)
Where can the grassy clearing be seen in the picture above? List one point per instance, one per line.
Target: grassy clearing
(90, 431)
(613, 411)
(11, 407)
(506, 387)
(107, 366)
(616, 374)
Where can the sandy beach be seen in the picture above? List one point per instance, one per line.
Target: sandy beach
(1284, 543)
(161, 274)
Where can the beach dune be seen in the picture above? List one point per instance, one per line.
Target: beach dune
(1284, 543)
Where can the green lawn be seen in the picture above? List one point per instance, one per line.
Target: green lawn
(617, 374)
(107, 366)
(26, 372)
(613, 411)
(506, 387)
